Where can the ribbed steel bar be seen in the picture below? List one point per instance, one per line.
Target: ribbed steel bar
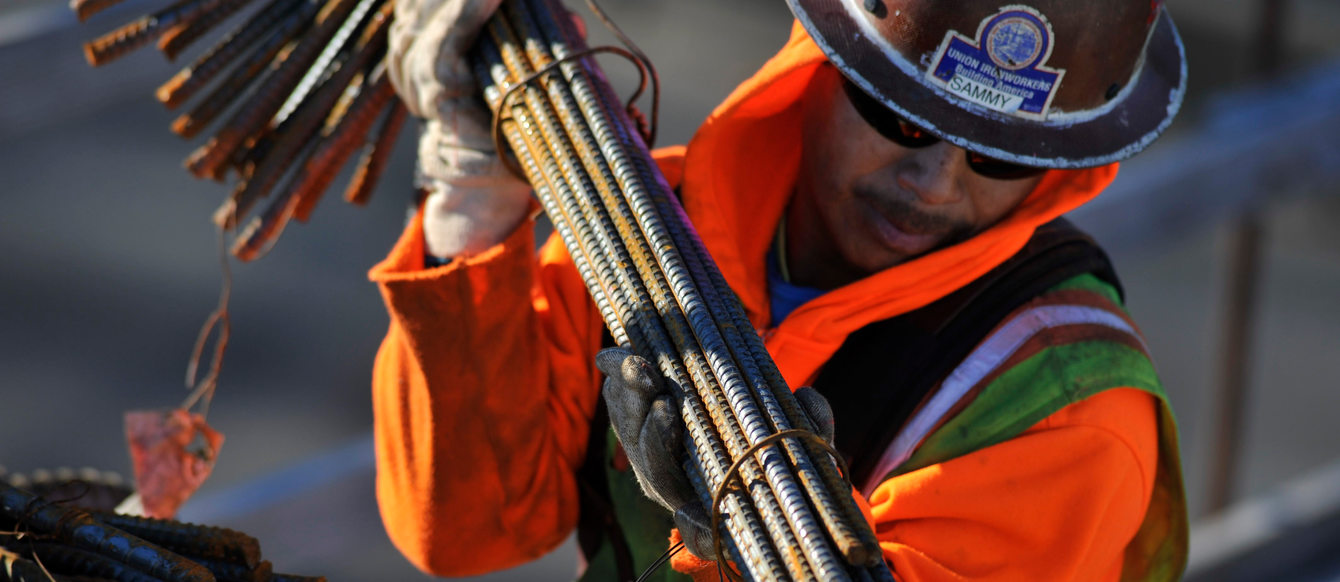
(637, 252)
(226, 93)
(641, 310)
(742, 402)
(818, 472)
(749, 350)
(640, 254)
(594, 178)
(285, 74)
(181, 36)
(857, 544)
(571, 234)
(129, 37)
(308, 118)
(344, 133)
(376, 153)
(190, 80)
(316, 71)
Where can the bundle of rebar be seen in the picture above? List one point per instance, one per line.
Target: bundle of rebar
(296, 91)
(45, 539)
(790, 513)
(306, 86)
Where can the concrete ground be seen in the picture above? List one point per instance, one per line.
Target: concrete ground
(111, 267)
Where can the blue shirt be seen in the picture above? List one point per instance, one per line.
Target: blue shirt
(785, 297)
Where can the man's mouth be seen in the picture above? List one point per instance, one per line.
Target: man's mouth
(905, 228)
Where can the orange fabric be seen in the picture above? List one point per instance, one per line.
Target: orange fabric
(685, 562)
(1058, 502)
(484, 386)
(481, 412)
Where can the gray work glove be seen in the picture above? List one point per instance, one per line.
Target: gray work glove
(473, 201)
(645, 416)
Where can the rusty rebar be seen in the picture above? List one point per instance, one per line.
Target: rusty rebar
(344, 133)
(141, 31)
(858, 545)
(66, 561)
(84, 9)
(179, 37)
(285, 73)
(78, 529)
(595, 181)
(624, 305)
(190, 80)
(247, 70)
(376, 153)
(705, 328)
(307, 120)
(603, 203)
(199, 541)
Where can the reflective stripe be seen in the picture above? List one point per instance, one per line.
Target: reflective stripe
(989, 355)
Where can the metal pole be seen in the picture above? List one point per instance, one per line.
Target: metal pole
(1244, 275)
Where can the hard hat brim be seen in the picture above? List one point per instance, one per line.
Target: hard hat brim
(1138, 114)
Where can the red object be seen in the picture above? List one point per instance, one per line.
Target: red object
(173, 452)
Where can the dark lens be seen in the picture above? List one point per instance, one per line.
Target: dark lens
(1000, 170)
(889, 124)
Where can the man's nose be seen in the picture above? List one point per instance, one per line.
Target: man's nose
(934, 173)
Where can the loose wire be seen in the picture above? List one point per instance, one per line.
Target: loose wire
(646, 63)
(665, 557)
(733, 474)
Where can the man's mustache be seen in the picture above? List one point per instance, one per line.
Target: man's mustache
(913, 220)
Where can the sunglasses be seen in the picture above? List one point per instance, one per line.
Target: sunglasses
(902, 132)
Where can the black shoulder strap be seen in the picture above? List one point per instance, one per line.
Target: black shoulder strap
(882, 371)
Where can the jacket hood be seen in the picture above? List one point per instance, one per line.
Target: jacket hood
(737, 175)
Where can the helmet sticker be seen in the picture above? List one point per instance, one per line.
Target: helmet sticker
(1002, 69)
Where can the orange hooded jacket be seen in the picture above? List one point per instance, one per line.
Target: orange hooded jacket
(484, 387)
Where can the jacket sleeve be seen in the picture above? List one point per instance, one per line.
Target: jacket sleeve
(483, 390)
(1061, 501)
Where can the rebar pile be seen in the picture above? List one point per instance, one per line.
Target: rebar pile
(302, 87)
(791, 515)
(44, 540)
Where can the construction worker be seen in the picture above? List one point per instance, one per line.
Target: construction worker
(883, 196)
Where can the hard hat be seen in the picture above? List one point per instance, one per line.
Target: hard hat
(1050, 83)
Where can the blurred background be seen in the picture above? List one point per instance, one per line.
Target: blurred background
(1224, 234)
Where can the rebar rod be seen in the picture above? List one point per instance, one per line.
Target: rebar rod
(696, 339)
(235, 84)
(220, 57)
(572, 219)
(641, 260)
(77, 528)
(711, 337)
(376, 153)
(188, 539)
(859, 545)
(133, 35)
(286, 72)
(646, 329)
(613, 227)
(181, 36)
(307, 119)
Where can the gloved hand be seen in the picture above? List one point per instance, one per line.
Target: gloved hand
(645, 416)
(474, 201)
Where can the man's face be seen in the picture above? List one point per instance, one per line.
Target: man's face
(863, 203)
